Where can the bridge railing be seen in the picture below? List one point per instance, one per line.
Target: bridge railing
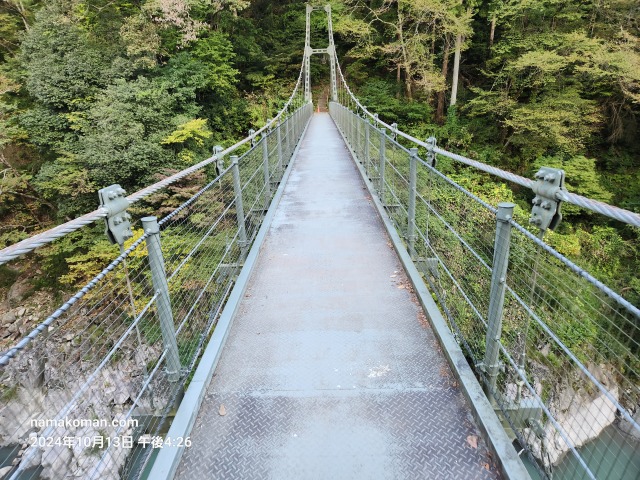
(85, 392)
(557, 351)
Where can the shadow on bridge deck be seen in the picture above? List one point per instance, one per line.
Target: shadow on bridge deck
(330, 369)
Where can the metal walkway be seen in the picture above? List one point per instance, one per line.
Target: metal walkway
(330, 369)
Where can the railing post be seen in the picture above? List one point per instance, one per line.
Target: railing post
(346, 124)
(279, 140)
(411, 220)
(294, 129)
(383, 162)
(367, 150)
(352, 129)
(356, 146)
(237, 189)
(288, 137)
(163, 301)
(265, 168)
(496, 298)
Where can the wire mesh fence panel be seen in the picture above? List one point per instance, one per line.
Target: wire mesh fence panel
(82, 372)
(274, 160)
(395, 196)
(456, 237)
(373, 165)
(579, 350)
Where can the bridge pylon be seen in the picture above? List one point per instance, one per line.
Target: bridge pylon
(330, 50)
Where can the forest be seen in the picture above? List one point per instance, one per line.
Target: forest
(96, 92)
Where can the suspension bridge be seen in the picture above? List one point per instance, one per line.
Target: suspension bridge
(329, 304)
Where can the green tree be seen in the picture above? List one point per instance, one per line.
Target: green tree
(64, 66)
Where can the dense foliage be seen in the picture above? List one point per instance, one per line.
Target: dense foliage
(94, 92)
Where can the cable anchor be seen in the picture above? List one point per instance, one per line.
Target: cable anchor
(550, 192)
(118, 222)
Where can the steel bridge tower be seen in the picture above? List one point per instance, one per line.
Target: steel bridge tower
(330, 50)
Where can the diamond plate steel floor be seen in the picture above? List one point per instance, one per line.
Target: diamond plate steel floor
(330, 370)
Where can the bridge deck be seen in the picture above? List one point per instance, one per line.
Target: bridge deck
(330, 370)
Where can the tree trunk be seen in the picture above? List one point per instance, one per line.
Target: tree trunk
(456, 71)
(408, 85)
(445, 73)
(398, 81)
(405, 59)
(492, 33)
(19, 7)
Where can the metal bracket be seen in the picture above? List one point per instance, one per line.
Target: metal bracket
(431, 155)
(394, 130)
(252, 134)
(527, 413)
(428, 266)
(483, 367)
(219, 160)
(227, 270)
(118, 226)
(536, 425)
(549, 189)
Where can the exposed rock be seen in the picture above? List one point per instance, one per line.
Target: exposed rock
(108, 468)
(602, 373)
(16, 326)
(21, 311)
(537, 386)
(15, 419)
(121, 396)
(34, 377)
(32, 457)
(628, 428)
(109, 398)
(511, 391)
(582, 417)
(7, 319)
(56, 462)
(565, 397)
(4, 471)
(18, 291)
(23, 328)
(545, 350)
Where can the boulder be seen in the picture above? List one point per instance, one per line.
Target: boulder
(7, 319)
(18, 292)
(583, 421)
(4, 472)
(16, 326)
